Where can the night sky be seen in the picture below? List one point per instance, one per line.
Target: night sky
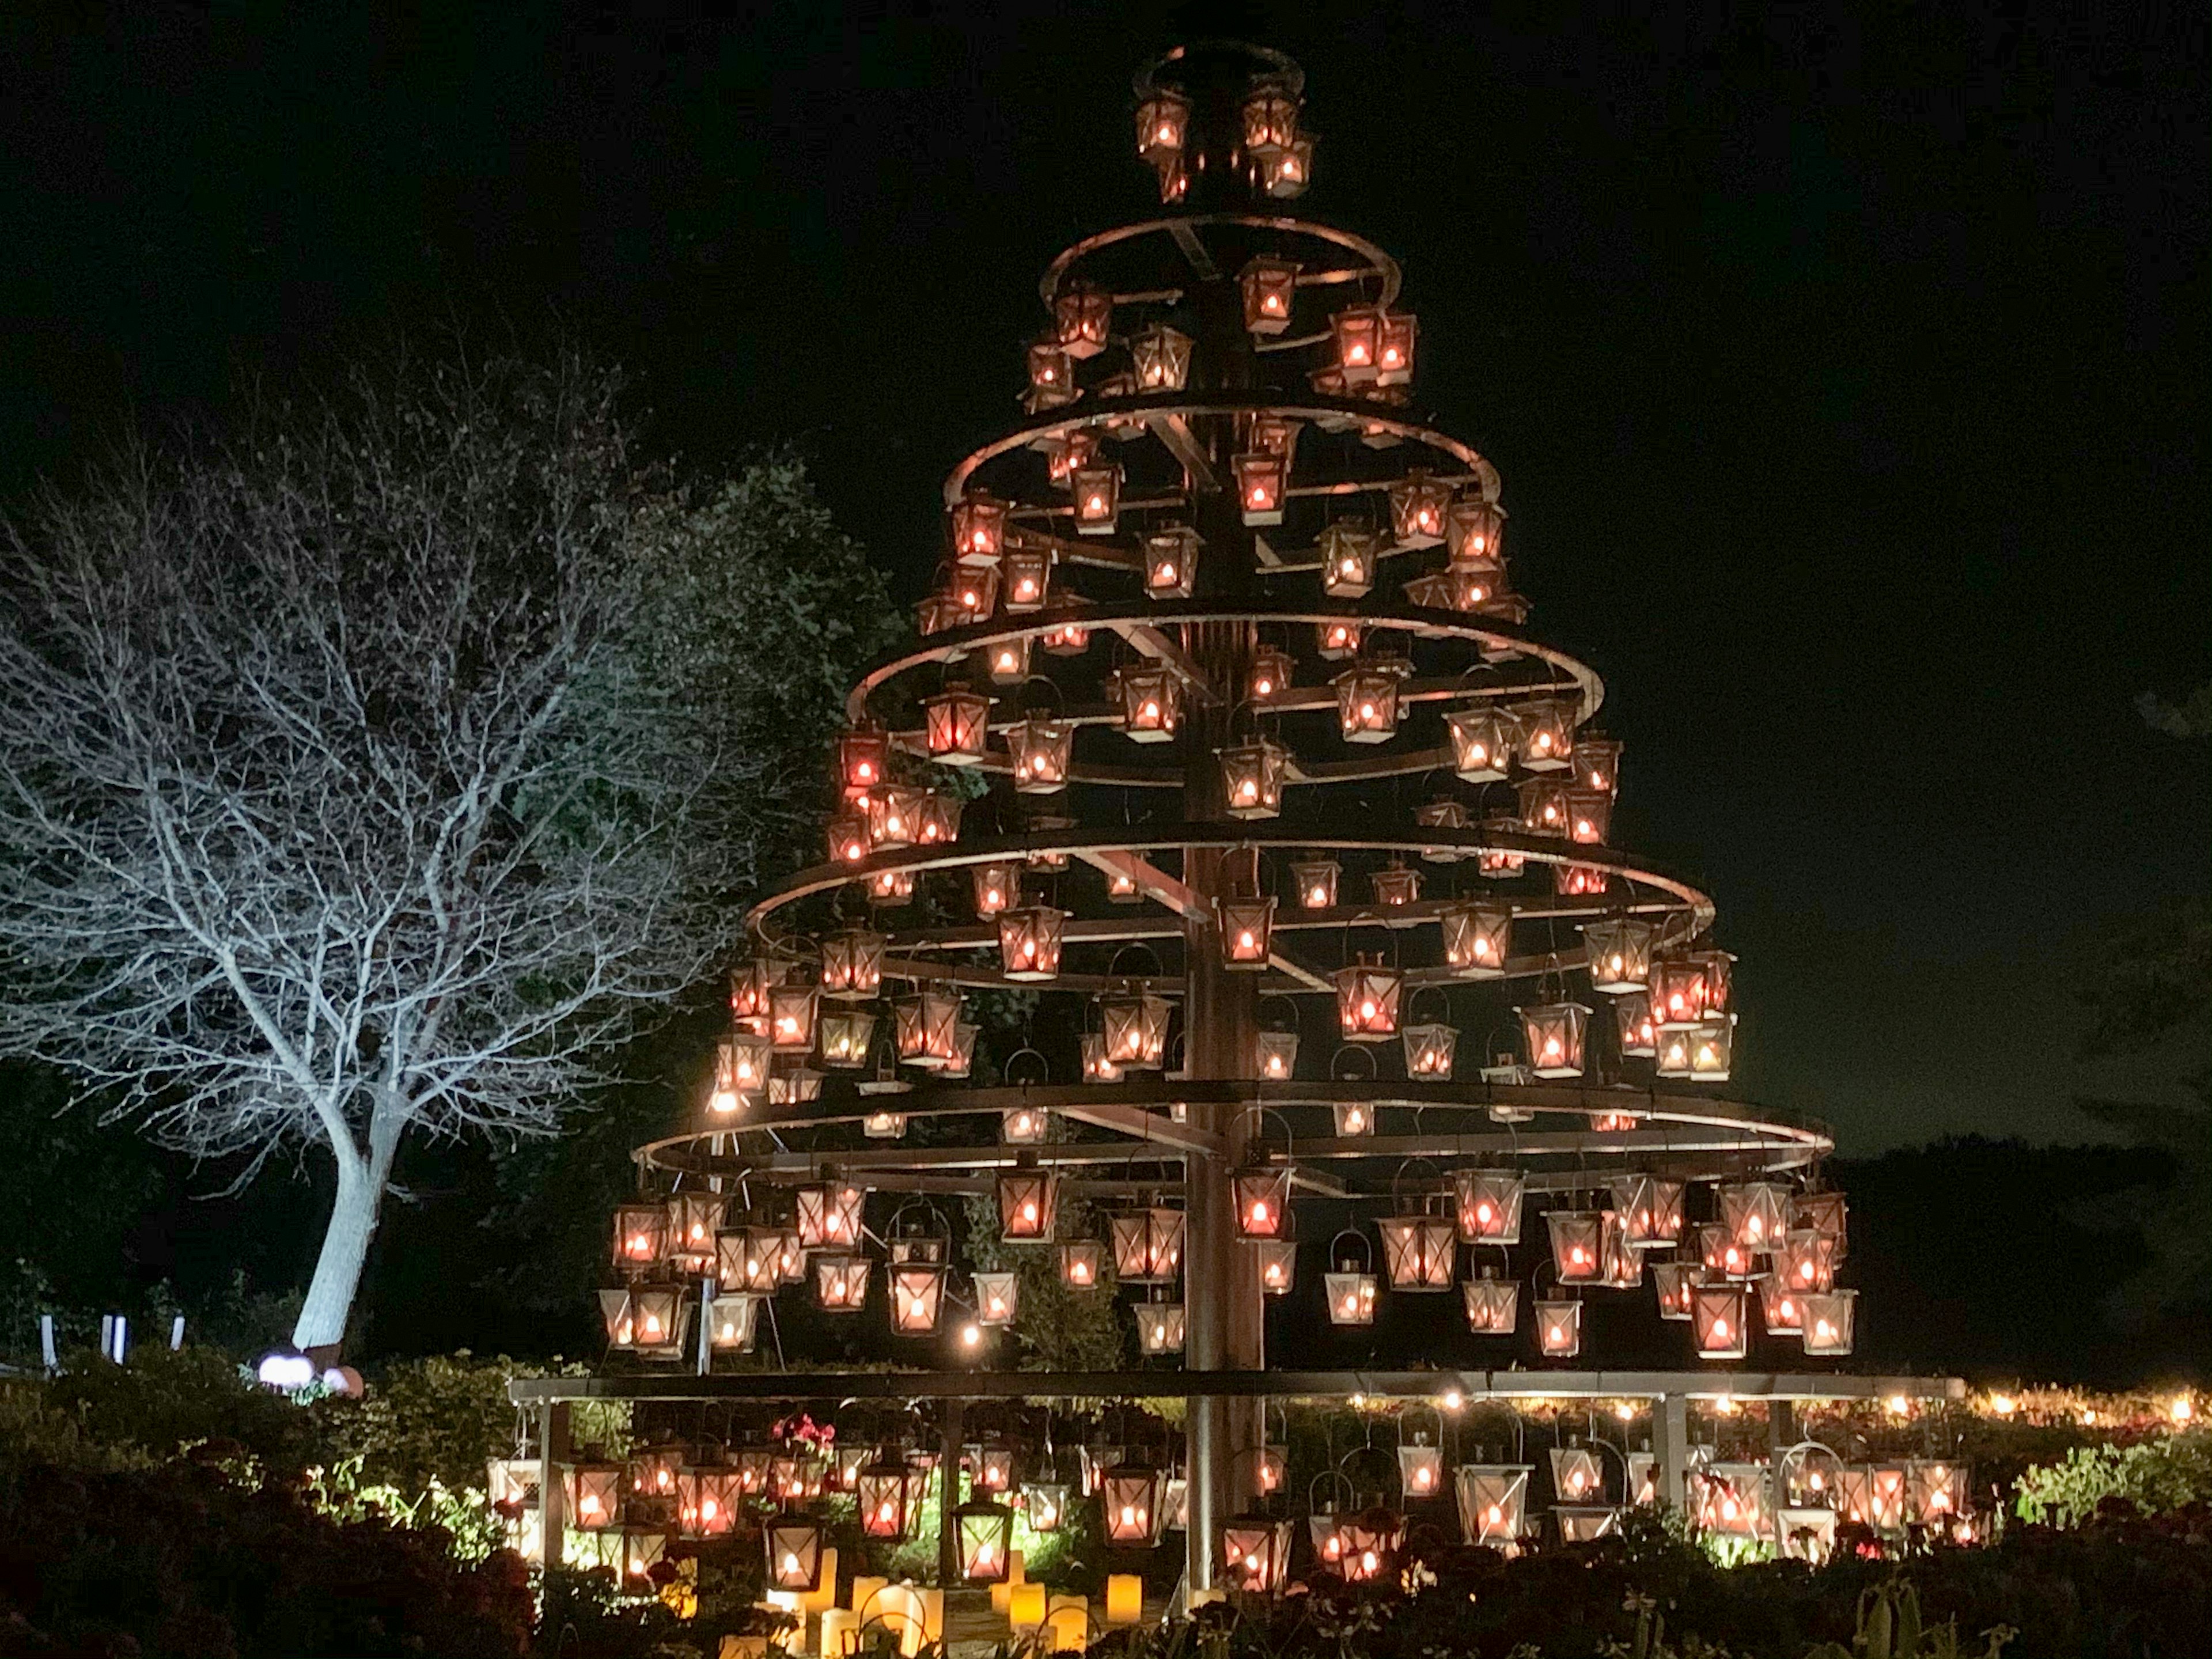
(1846, 373)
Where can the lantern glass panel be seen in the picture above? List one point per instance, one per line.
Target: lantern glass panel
(1366, 705)
(1159, 1327)
(1367, 995)
(1620, 954)
(1717, 1318)
(1151, 705)
(1247, 928)
(1028, 581)
(1350, 1297)
(659, 1316)
(1806, 1261)
(1781, 1310)
(1353, 1117)
(1493, 1499)
(1478, 938)
(1029, 941)
(853, 963)
(694, 1217)
(1277, 1055)
(1252, 779)
(1673, 1281)
(1712, 1044)
(1357, 331)
(1025, 1126)
(1028, 1199)
(1255, 1553)
(881, 1500)
(1554, 1034)
(1278, 1263)
(1493, 1305)
(1393, 359)
(1486, 1204)
(1082, 1265)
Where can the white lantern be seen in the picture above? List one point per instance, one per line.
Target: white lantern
(1477, 937)
(1559, 1328)
(1493, 1305)
(1030, 940)
(1474, 530)
(1620, 954)
(1366, 705)
(1487, 1203)
(1159, 1327)
(1347, 560)
(1367, 994)
(1554, 1032)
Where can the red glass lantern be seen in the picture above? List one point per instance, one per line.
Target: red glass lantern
(1316, 880)
(1366, 705)
(1083, 320)
(1097, 497)
(1474, 531)
(1269, 286)
(1487, 1204)
(1554, 1032)
(1418, 508)
(1030, 940)
(1717, 1318)
(1247, 928)
(1367, 994)
(1478, 937)
(954, 726)
(1262, 1199)
(1559, 1329)
(1151, 705)
(1493, 1304)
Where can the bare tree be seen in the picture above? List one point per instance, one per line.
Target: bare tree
(356, 781)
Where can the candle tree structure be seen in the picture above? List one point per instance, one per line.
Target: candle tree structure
(1225, 734)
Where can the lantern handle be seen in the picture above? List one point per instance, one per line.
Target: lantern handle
(1256, 1112)
(1360, 1050)
(1413, 1004)
(1338, 1486)
(1366, 1250)
(1380, 1458)
(1398, 1175)
(1059, 697)
(1291, 1002)
(1043, 1067)
(1114, 967)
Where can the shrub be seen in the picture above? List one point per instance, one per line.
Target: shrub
(2154, 1476)
(162, 1401)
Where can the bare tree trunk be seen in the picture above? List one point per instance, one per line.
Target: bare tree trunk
(320, 1330)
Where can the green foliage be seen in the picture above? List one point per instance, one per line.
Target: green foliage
(2156, 1476)
(162, 1402)
(1890, 1627)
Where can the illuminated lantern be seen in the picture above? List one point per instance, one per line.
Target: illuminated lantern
(1367, 995)
(1544, 806)
(1474, 531)
(1477, 938)
(1028, 1199)
(978, 531)
(1316, 879)
(1260, 481)
(1159, 1327)
(1597, 765)
(1576, 1476)
(1781, 1310)
(1121, 888)
(1277, 1055)
(1487, 1205)
(829, 1215)
(1499, 862)
(1359, 334)
(1418, 508)
(1262, 1198)
(741, 1072)
(895, 815)
(593, 1494)
(1136, 1022)
(659, 1316)
(640, 1234)
(1161, 121)
(1271, 117)
(997, 887)
(706, 1502)
(1097, 497)
(846, 1033)
(1755, 1213)
(794, 1087)
(1718, 1314)
(984, 1530)
(954, 725)
(1147, 1245)
(1098, 1065)
(693, 1220)
(1252, 778)
(1255, 1553)
(938, 612)
(1395, 886)
(998, 1297)
(1639, 1033)
(1547, 734)
(1677, 992)
(733, 1322)
(1559, 1329)
(1271, 673)
(1493, 1305)
(884, 1497)
(1826, 1319)
(1732, 1500)
(1247, 926)
(1493, 1498)
(1052, 376)
(1354, 1118)
(745, 1259)
(1620, 954)
(1590, 813)
(794, 1552)
(1010, 661)
(995, 1467)
(1721, 1255)
(1579, 880)
(1040, 751)
(1271, 1468)
(1350, 1297)
(1269, 285)
(754, 1464)
(1824, 1213)
(841, 1283)
(620, 1323)
(1651, 1210)
(1453, 589)
(1130, 1499)
(883, 1126)
(1171, 562)
(1080, 1264)
(1577, 1236)
(1366, 1542)
(1152, 704)
(1393, 360)
(1366, 705)
(1643, 1478)
(1554, 1032)
(1277, 1260)
(1044, 1505)
(890, 888)
(925, 1026)
(974, 592)
(1067, 639)
(862, 758)
(1030, 940)
(1083, 318)
(1337, 639)
(1028, 576)
(1284, 173)
(1674, 1280)
(853, 963)
(1419, 1251)
(1025, 1126)
(1347, 560)
(1429, 1051)
(1674, 1051)
(847, 836)
(1161, 356)
(1712, 1041)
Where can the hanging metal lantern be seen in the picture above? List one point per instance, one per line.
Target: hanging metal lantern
(961, 1062)
(593, 1493)
(791, 1018)
(745, 1259)
(1723, 1257)
(1486, 1204)
(1554, 1032)
(1366, 705)
(1367, 994)
(1717, 1319)
(1496, 862)
(1474, 530)
(1159, 1327)
(1673, 1281)
(997, 887)
(1493, 1501)
(1160, 358)
(795, 1553)
(1247, 928)
(829, 1215)
(1477, 937)
(1597, 765)
(888, 889)
(640, 1234)
(954, 726)
(1577, 1238)
(1121, 888)
(1429, 1052)
(1337, 641)
(1643, 1478)
(1493, 1305)
(1395, 886)
(1420, 1250)
(1651, 1210)
(1081, 1262)
(1025, 1126)
(1065, 639)
(1098, 1065)
(1620, 954)
(1805, 1262)
(1162, 120)
(1781, 1310)
(1009, 660)
(1130, 1495)
(1052, 376)
(1543, 806)
(741, 1070)
(1147, 1245)
(1441, 814)
(1418, 508)
(621, 1322)
(841, 1283)
(1755, 1213)
(1393, 350)
(1029, 1197)
(1044, 1506)
(847, 1035)
(923, 1026)
(1712, 1043)
(979, 529)
(1030, 940)
(1277, 1260)
(863, 759)
(1547, 734)
(1028, 577)
(1276, 1055)
(1269, 287)
(848, 837)
(1826, 1319)
(1354, 1118)
(1316, 880)
(693, 1219)
(1639, 1031)
(1136, 1028)
(1350, 1297)
(883, 1126)
(1358, 330)
(1255, 1553)
(1559, 1328)
(1588, 814)
(1347, 560)
(1098, 498)
(733, 1322)
(1824, 1213)
(1576, 1475)
(993, 1465)
(1040, 752)
(1083, 318)
(659, 1315)
(972, 594)
(1272, 673)
(1152, 704)
(884, 1496)
(707, 1500)
(998, 1297)
(1252, 778)
(985, 1531)
(853, 963)
(1284, 173)
(1262, 480)
(794, 1086)
(1677, 992)
(1262, 1200)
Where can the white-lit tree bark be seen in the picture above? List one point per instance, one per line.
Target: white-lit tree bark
(365, 777)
